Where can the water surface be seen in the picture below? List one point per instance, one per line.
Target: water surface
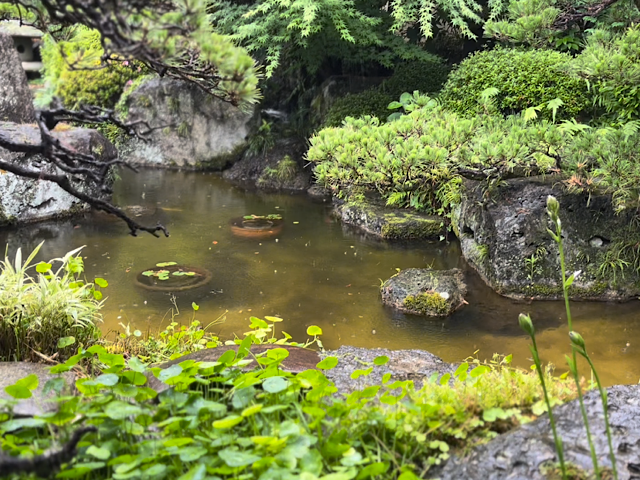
(313, 273)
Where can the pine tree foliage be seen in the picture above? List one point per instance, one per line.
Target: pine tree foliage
(611, 66)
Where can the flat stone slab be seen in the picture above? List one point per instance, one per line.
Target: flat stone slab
(521, 453)
(423, 291)
(415, 365)
(391, 224)
(299, 360)
(11, 372)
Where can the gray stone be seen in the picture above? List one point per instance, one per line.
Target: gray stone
(319, 192)
(194, 130)
(281, 168)
(415, 365)
(11, 372)
(26, 200)
(423, 291)
(391, 224)
(504, 237)
(16, 102)
(522, 453)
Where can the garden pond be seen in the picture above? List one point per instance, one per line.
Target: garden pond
(309, 271)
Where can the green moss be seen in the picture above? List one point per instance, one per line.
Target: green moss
(122, 107)
(411, 227)
(427, 303)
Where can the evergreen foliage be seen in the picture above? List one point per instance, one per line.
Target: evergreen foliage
(523, 79)
(371, 102)
(419, 160)
(611, 66)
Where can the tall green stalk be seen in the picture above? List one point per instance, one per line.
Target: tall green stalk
(527, 325)
(579, 345)
(553, 210)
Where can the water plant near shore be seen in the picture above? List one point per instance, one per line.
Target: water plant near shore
(577, 346)
(43, 308)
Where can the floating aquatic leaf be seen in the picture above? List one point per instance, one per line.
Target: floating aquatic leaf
(165, 264)
(148, 273)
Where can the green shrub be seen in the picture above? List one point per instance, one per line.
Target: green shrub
(523, 79)
(425, 77)
(371, 102)
(39, 314)
(88, 83)
(224, 420)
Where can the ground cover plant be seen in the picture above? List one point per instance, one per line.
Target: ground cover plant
(218, 421)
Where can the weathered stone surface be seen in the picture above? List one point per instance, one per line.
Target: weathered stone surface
(319, 192)
(520, 454)
(391, 224)
(26, 200)
(299, 360)
(11, 372)
(16, 103)
(281, 168)
(423, 291)
(499, 236)
(196, 131)
(415, 365)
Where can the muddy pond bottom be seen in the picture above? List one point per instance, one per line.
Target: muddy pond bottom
(308, 270)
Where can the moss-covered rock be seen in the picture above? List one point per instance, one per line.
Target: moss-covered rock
(504, 237)
(279, 168)
(422, 291)
(391, 224)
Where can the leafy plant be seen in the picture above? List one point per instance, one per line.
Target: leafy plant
(164, 274)
(409, 103)
(45, 313)
(285, 170)
(263, 140)
(173, 342)
(221, 419)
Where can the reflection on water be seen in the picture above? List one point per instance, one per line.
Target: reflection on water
(313, 272)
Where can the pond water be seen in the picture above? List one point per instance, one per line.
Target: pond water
(313, 272)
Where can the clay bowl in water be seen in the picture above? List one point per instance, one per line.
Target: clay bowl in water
(256, 227)
(174, 283)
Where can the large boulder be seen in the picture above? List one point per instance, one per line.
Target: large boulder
(422, 291)
(503, 235)
(528, 452)
(16, 103)
(38, 403)
(280, 168)
(390, 224)
(192, 129)
(415, 365)
(27, 200)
